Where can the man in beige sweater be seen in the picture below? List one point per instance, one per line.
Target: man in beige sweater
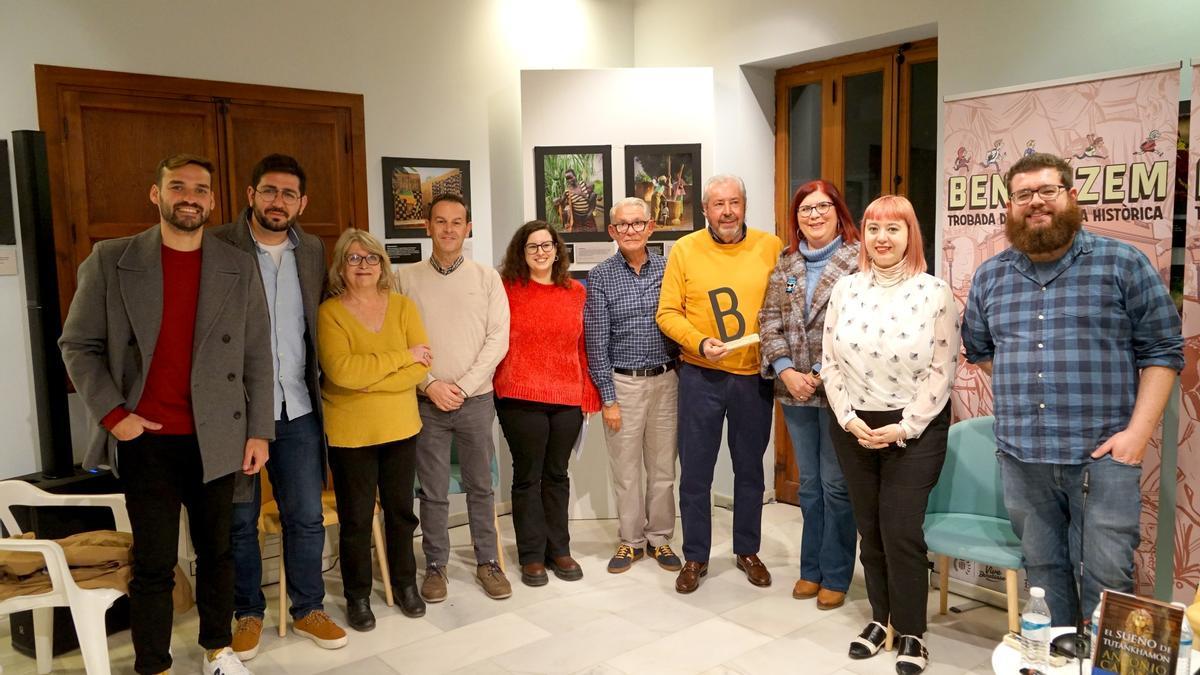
(465, 311)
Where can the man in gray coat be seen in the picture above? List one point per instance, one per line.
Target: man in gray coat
(292, 265)
(168, 344)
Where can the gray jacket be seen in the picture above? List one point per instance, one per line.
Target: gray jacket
(310, 266)
(781, 322)
(109, 337)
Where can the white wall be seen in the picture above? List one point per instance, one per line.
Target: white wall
(440, 79)
(617, 107)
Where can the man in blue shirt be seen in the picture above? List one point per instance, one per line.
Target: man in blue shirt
(292, 265)
(1083, 344)
(633, 366)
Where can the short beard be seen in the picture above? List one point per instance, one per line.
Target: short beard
(1062, 229)
(181, 225)
(265, 223)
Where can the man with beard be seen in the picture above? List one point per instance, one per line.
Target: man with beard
(712, 289)
(291, 263)
(168, 344)
(1083, 344)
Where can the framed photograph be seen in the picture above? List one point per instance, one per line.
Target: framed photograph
(573, 189)
(410, 184)
(667, 177)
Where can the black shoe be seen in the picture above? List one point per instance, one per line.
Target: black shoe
(359, 615)
(911, 656)
(411, 604)
(869, 641)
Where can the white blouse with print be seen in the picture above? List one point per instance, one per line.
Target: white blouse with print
(890, 347)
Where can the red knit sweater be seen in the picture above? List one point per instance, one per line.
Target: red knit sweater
(546, 360)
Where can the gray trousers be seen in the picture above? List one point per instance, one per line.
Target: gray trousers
(642, 458)
(470, 430)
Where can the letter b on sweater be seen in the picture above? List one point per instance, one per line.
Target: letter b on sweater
(714, 297)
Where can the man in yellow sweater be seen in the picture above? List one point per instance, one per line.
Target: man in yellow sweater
(711, 293)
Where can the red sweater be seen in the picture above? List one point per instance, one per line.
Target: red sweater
(546, 360)
(167, 396)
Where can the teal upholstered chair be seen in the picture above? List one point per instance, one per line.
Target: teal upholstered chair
(966, 517)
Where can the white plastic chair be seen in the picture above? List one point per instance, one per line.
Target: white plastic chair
(88, 606)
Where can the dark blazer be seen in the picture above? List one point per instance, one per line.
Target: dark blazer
(112, 328)
(781, 322)
(310, 265)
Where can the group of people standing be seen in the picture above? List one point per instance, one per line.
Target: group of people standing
(195, 376)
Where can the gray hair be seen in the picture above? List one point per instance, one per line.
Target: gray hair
(629, 201)
(722, 178)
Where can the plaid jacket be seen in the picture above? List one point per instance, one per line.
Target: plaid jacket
(781, 323)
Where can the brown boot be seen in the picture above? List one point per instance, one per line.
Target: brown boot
(689, 577)
(827, 599)
(804, 590)
(534, 574)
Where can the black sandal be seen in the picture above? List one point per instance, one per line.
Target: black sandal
(911, 656)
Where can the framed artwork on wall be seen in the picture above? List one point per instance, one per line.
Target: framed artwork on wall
(573, 189)
(410, 184)
(667, 177)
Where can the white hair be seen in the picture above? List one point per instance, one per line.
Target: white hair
(629, 201)
(722, 178)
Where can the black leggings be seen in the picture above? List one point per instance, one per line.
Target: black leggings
(889, 490)
(540, 437)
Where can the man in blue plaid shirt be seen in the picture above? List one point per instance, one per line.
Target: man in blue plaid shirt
(633, 366)
(1083, 344)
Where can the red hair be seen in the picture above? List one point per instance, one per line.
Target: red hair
(846, 226)
(896, 208)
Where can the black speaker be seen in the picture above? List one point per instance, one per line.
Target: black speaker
(42, 304)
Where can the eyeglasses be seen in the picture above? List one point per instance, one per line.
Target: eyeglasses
(633, 225)
(545, 246)
(1048, 193)
(820, 208)
(269, 194)
(372, 259)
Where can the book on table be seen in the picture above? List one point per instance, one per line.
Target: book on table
(1136, 636)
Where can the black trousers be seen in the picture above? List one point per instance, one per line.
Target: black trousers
(358, 473)
(889, 490)
(159, 473)
(541, 437)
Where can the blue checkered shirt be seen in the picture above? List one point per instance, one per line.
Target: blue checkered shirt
(1066, 342)
(618, 320)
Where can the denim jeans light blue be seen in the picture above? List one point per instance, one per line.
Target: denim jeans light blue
(827, 543)
(1045, 503)
(297, 475)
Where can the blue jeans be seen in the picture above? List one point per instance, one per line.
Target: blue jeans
(827, 544)
(1045, 503)
(297, 473)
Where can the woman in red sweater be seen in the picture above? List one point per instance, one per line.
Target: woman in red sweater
(542, 391)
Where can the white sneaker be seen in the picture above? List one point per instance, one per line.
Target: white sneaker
(225, 663)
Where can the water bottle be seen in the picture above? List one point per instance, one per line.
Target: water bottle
(1035, 631)
(1183, 664)
(1095, 628)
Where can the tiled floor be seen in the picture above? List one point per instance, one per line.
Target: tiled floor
(604, 624)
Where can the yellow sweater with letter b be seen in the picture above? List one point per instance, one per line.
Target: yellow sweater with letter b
(714, 290)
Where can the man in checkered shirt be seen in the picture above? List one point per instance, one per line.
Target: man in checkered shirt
(1083, 344)
(633, 366)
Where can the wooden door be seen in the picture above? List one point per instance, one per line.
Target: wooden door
(318, 139)
(113, 142)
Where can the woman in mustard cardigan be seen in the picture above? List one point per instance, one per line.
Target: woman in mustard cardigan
(373, 352)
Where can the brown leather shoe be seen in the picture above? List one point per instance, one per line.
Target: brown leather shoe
(804, 590)
(755, 570)
(689, 577)
(534, 574)
(827, 599)
(565, 568)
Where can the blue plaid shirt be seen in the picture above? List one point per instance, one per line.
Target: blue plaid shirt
(618, 320)
(1066, 342)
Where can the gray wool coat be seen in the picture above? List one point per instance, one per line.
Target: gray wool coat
(782, 326)
(111, 331)
(310, 266)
